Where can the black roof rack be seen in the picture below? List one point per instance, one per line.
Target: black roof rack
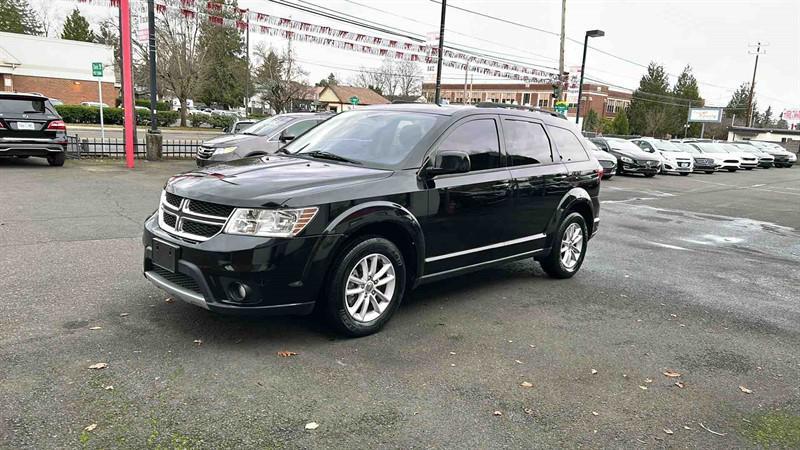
(517, 107)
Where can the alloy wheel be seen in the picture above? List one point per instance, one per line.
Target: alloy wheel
(369, 288)
(571, 246)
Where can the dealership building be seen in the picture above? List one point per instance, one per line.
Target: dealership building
(58, 68)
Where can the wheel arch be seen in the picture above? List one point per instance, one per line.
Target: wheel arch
(575, 200)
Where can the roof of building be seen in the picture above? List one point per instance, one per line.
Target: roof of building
(365, 96)
(40, 56)
(764, 130)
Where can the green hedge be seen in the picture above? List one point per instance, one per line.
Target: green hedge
(212, 120)
(111, 116)
(160, 106)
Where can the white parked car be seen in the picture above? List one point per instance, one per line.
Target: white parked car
(673, 159)
(749, 161)
(94, 104)
(765, 160)
(724, 159)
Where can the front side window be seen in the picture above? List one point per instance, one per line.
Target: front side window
(373, 138)
(267, 126)
(568, 145)
(479, 139)
(526, 143)
(296, 129)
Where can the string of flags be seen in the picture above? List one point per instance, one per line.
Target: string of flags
(301, 31)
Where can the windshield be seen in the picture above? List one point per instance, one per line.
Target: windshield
(622, 144)
(591, 145)
(686, 148)
(744, 148)
(375, 138)
(268, 126)
(667, 146)
(707, 147)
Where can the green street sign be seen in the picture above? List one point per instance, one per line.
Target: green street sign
(97, 69)
(354, 100)
(561, 107)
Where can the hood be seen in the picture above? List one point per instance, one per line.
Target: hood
(603, 155)
(635, 154)
(230, 140)
(269, 180)
(676, 155)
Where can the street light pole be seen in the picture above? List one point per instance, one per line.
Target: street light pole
(590, 33)
(151, 38)
(438, 95)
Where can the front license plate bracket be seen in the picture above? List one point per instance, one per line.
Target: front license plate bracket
(165, 255)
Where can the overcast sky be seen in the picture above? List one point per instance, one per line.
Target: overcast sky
(713, 36)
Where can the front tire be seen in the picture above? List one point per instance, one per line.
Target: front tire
(710, 172)
(748, 168)
(568, 248)
(649, 175)
(683, 174)
(732, 169)
(57, 160)
(366, 286)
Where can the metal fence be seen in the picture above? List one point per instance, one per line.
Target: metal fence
(115, 148)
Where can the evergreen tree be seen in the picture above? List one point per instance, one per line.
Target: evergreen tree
(738, 103)
(329, 81)
(620, 123)
(16, 16)
(685, 92)
(76, 28)
(591, 122)
(766, 120)
(648, 114)
(223, 75)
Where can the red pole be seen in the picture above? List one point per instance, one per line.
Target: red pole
(127, 80)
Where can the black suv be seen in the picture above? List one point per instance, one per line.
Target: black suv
(350, 216)
(30, 126)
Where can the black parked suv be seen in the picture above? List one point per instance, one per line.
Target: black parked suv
(30, 126)
(630, 158)
(264, 137)
(350, 216)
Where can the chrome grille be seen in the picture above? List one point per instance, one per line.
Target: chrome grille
(205, 152)
(704, 161)
(194, 220)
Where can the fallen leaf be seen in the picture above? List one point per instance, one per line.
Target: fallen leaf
(680, 384)
(98, 366)
(123, 314)
(531, 346)
(452, 353)
(671, 374)
(518, 361)
(526, 384)
(644, 388)
(95, 328)
(510, 342)
(528, 411)
(595, 413)
(668, 431)
(90, 427)
(673, 315)
(648, 380)
(286, 354)
(169, 300)
(109, 387)
(745, 390)
(497, 413)
(312, 426)
(594, 372)
(452, 365)
(686, 427)
(198, 341)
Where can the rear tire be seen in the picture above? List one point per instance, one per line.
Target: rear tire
(748, 168)
(357, 279)
(649, 175)
(683, 174)
(732, 169)
(568, 248)
(57, 159)
(710, 172)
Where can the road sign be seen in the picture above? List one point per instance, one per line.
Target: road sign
(97, 69)
(354, 100)
(561, 107)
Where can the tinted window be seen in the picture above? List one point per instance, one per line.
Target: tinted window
(21, 106)
(568, 145)
(296, 129)
(526, 143)
(479, 139)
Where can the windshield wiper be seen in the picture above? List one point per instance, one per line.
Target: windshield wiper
(328, 155)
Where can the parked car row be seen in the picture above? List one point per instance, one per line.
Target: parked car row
(649, 156)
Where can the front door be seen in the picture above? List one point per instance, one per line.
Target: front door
(469, 213)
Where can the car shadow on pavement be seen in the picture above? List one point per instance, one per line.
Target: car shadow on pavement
(38, 163)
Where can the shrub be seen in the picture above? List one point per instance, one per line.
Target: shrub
(160, 106)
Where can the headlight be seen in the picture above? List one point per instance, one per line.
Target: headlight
(269, 222)
(225, 150)
(626, 159)
(792, 157)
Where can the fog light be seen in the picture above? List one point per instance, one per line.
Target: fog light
(238, 292)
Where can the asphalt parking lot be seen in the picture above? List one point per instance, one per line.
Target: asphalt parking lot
(696, 276)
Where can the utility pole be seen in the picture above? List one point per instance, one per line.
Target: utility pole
(466, 73)
(247, 75)
(749, 120)
(151, 43)
(439, 57)
(561, 48)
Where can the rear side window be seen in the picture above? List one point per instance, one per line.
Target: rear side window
(526, 143)
(21, 106)
(479, 139)
(568, 145)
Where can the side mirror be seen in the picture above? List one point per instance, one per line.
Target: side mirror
(449, 161)
(286, 137)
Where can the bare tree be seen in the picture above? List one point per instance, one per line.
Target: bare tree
(409, 75)
(279, 78)
(391, 78)
(180, 55)
(655, 121)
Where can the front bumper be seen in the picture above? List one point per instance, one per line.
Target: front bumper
(766, 163)
(282, 276)
(672, 167)
(650, 167)
(41, 148)
(705, 167)
(748, 164)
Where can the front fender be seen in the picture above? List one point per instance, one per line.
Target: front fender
(575, 197)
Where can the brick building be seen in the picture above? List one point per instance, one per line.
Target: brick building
(57, 68)
(605, 101)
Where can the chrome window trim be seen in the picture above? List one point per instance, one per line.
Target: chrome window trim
(533, 237)
(518, 255)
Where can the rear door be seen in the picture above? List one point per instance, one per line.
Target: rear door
(469, 213)
(539, 178)
(26, 117)
(581, 169)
